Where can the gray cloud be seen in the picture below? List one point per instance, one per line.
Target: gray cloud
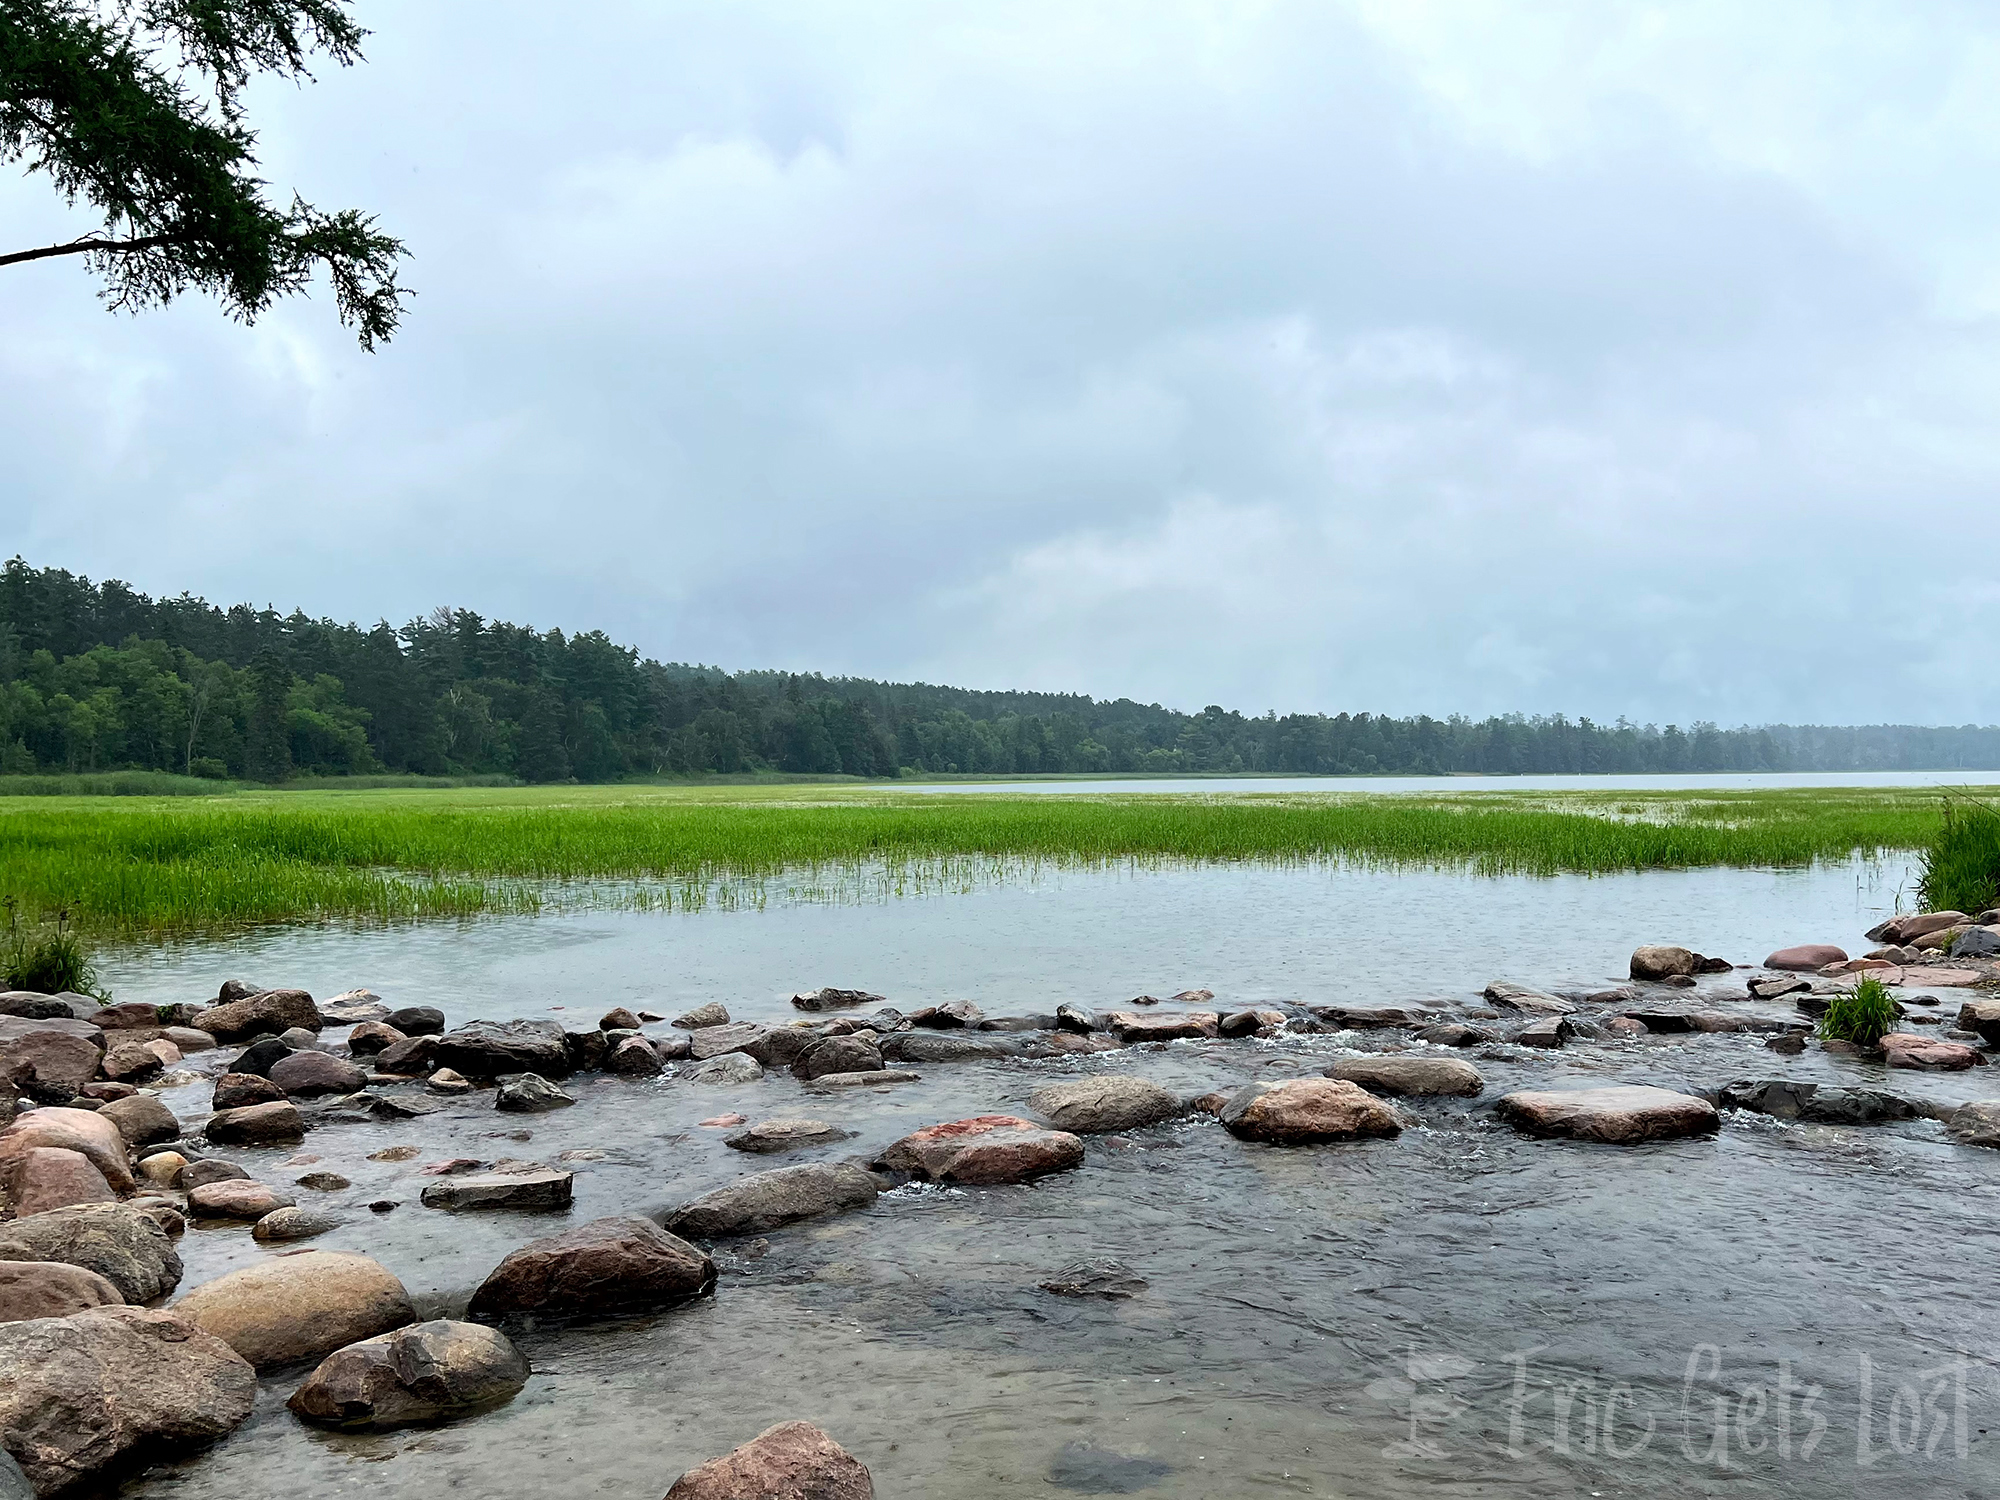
(1291, 356)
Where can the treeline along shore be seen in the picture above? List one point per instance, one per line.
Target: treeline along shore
(99, 677)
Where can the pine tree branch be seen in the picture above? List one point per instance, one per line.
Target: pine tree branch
(86, 246)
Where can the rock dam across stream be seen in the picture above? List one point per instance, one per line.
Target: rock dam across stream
(1778, 1307)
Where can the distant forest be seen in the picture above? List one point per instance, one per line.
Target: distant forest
(98, 677)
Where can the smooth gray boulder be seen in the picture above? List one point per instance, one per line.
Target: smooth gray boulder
(422, 1373)
(769, 1200)
(123, 1244)
(530, 1094)
(1104, 1102)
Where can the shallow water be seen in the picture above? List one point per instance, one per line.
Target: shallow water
(1711, 781)
(1450, 1313)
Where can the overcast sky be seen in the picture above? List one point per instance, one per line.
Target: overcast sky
(1386, 355)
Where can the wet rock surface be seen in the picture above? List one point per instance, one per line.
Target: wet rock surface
(985, 1150)
(106, 1388)
(617, 1264)
(767, 1137)
(119, 1242)
(1307, 1111)
(1410, 1075)
(770, 1200)
(1093, 1106)
(791, 1461)
(1110, 1279)
(1621, 1115)
(298, 1306)
(420, 1373)
(534, 1188)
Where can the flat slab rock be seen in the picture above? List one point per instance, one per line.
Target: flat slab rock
(1818, 1104)
(770, 1200)
(984, 1151)
(1307, 1111)
(767, 1137)
(1622, 1114)
(536, 1188)
(1410, 1075)
(791, 1461)
(1506, 995)
(1105, 1102)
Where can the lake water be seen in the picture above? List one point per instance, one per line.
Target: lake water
(1710, 782)
(1456, 1312)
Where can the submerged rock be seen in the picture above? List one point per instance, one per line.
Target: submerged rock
(617, 1264)
(983, 1151)
(947, 1046)
(416, 1374)
(300, 1305)
(1087, 1469)
(791, 1461)
(1110, 1279)
(1820, 1104)
(765, 1201)
(1409, 1075)
(770, 1136)
(1976, 1124)
(1621, 1114)
(1307, 1111)
(1105, 1102)
(89, 1394)
(123, 1244)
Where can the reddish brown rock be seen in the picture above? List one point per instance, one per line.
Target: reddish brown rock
(1307, 1111)
(124, 1017)
(241, 1090)
(416, 1374)
(1657, 962)
(237, 1199)
(1252, 1023)
(984, 1151)
(141, 1118)
(310, 1073)
(372, 1036)
(1133, 1028)
(1903, 1049)
(50, 1289)
(46, 1177)
(607, 1265)
(1913, 925)
(1917, 978)
(80, 1130)
(1807, 958)
(1619, 1115)
(792, 1461)
(50, 1053)
(1409, 1075)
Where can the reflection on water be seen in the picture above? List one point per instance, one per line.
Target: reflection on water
(1454, 1312)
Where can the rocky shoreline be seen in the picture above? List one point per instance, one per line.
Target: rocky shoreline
(119, 1367)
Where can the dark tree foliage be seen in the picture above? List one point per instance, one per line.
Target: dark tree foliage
(100, 677)
(134, 107)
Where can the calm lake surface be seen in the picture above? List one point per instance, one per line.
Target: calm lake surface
(1712, 782)
(1456, 1312)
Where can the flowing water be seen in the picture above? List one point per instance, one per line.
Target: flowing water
(1780, 1310)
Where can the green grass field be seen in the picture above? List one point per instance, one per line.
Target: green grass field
(134, 865)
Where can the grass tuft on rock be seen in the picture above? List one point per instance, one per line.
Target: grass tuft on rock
(1863, 1017)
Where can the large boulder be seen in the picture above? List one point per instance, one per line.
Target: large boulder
(1656, 961)
(1306, 1111)
(618, 1264)
(1807, 958)
(711, 1013)
(371, 1037)
(529, 1094)
(523, 1188)
(1913, 925)
(838, 1054)
(416, 1374)
(792, 1461)
(257, 1125)
(123, 1244)
(208, 1169)
(1409, 1075)
(730, 1067)
(489, 1049)
(1815, 1103)
(633, 1057)
(769, 1200)
(1620, 1114)
(141, 1119)
(50, 1289)
(307, 1075)
(983, 1151)
(273, 1011)
(300, 1305)
(48, 1063)
(80, 1130)
(413, 1057)
(87, 1394)
(130, 1062)
(1104, 1102)
(48, 1177)
(418, 1020)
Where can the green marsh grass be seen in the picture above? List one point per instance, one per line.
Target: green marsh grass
(139, 865)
